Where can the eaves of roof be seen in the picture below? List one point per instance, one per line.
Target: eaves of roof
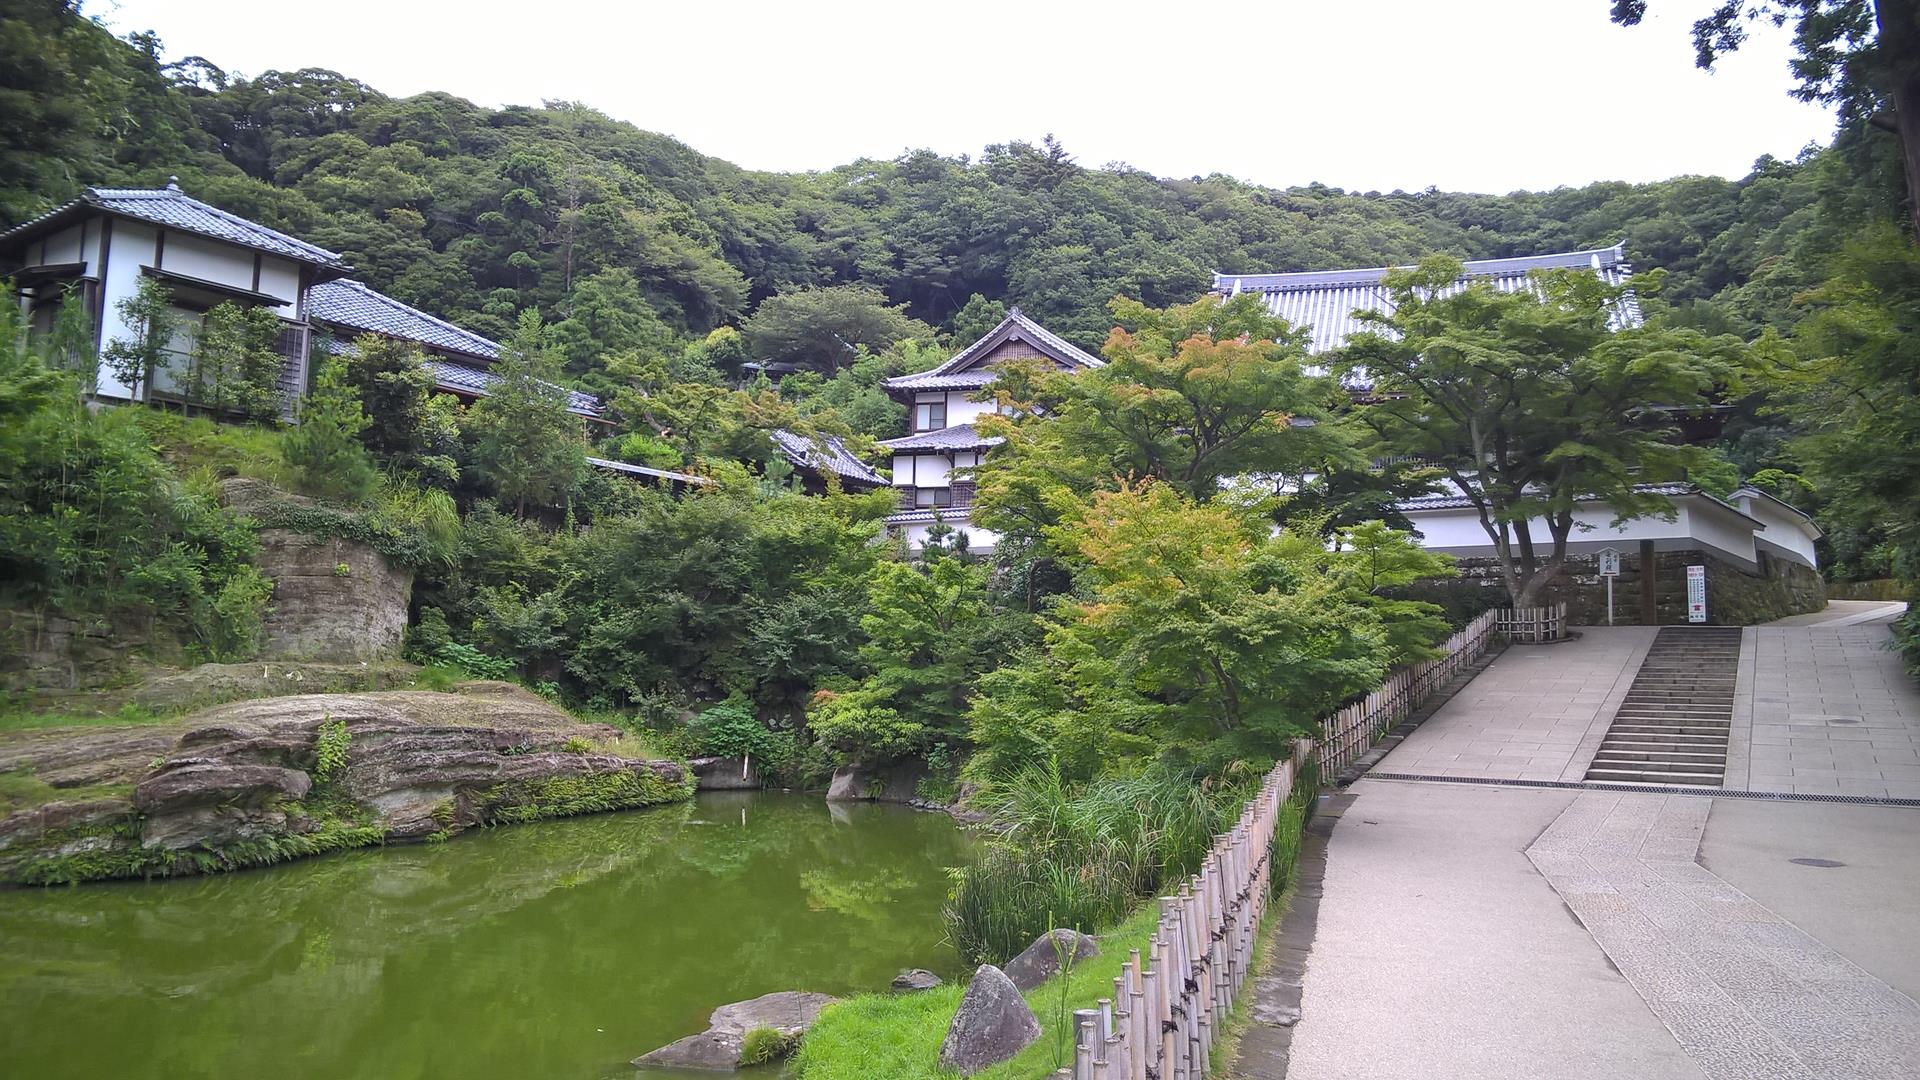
(958, 437)
(171, 208)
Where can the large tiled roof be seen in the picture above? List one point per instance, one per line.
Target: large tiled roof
(354, 305)
(950, 516)
(825, 454)
(467, 379)
(175, 209)
(958, 437)
(1016, 325)
(1329, 301)
(1454, 501)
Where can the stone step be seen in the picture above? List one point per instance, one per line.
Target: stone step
(1650, 750)
(1649, 776)
(1713, 768)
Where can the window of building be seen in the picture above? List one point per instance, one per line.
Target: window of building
(933, 497)
(930, 415)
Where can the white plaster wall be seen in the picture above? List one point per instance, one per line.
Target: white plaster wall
(1784, 531)
(281, 278)
(228, 264)
(1718, 526)
(130, 249)
(64, 246)
(979, 540)
(1458, 531)
(961, 411)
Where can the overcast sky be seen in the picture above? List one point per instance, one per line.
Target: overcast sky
(1484, 95)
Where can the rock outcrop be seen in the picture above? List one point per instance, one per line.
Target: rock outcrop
(880, 783)
(1040, 961)
(992, 1025)
(276, 778)
(334, 598)
(790, 1012)
(725, 774)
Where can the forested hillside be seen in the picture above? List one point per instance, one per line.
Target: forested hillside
(631, 239)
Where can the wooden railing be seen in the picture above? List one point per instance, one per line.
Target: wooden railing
(1547, 623)
(1168, 1005)
(1355, 727)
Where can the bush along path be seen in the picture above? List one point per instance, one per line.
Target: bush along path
(264, 781)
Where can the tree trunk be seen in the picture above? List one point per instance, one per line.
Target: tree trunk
(1899, 42)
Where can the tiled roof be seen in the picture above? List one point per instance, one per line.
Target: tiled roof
(175, 209)
(647, 471)
(945, 516)
(1328, 301)
(467, 379)
(825, 454)
(1015, 325)
(1460, 502)
(958, 437)
(972, 379)
(354, 305)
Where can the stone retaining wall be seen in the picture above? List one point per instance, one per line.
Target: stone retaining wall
(1735, 596)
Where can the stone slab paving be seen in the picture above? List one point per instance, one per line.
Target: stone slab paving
(1747, 994)
(1825, 709)
(1539, 712)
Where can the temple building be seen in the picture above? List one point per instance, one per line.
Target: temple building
(933, 467)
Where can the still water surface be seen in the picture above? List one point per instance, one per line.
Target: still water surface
(553, 951)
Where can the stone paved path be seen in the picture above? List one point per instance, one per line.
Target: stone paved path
(1537, 713)
(1747, 994)
(1825, 709)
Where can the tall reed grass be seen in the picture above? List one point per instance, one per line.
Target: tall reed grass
(1083, 855)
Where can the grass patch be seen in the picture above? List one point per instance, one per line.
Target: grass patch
(897, 1037)
(125, 716)
(22, 789)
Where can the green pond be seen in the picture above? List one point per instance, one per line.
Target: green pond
(550, 951)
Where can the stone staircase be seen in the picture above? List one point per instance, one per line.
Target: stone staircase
(1673, 726)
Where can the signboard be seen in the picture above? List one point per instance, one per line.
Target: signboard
(1696, 594)
(1609, 562)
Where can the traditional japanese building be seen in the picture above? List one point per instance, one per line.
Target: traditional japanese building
(97, 249)
(822, 456)
(933, 467)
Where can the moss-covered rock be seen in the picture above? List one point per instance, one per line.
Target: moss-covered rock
(263, 781)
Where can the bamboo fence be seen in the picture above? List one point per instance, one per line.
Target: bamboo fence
(1547, 623)
(1168, 1003)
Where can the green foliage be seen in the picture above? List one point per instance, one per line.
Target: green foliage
(764, 1044)
(730, 729)
(1530, 402)
(521, 801)
(476, 664)
(408, 426)
(235, 367)
(525, 442)
(94, 524)
(331, 743)
(824, 328)
(140, 361)
(324, 450)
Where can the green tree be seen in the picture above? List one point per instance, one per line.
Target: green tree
(975, 318)
(407, 423)
(824, 328)
(1862, 55)
(1531, 403)
(138, 361)
(235, 366)
(525, 442)
(324, 447)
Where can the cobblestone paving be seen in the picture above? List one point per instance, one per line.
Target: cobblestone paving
(1747, 994)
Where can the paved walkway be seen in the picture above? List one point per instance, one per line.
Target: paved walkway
(1825, 709)
(1521, 932)
(1847, 613)
(1538, 712)
(1445, 946)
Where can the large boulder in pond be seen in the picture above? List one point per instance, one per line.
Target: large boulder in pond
(992, 1025)
(1041, 960)
(725, 774)
(790, 1012)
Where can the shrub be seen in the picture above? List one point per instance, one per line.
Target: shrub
(324, 451)
(730, 729)
(764, 1044)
